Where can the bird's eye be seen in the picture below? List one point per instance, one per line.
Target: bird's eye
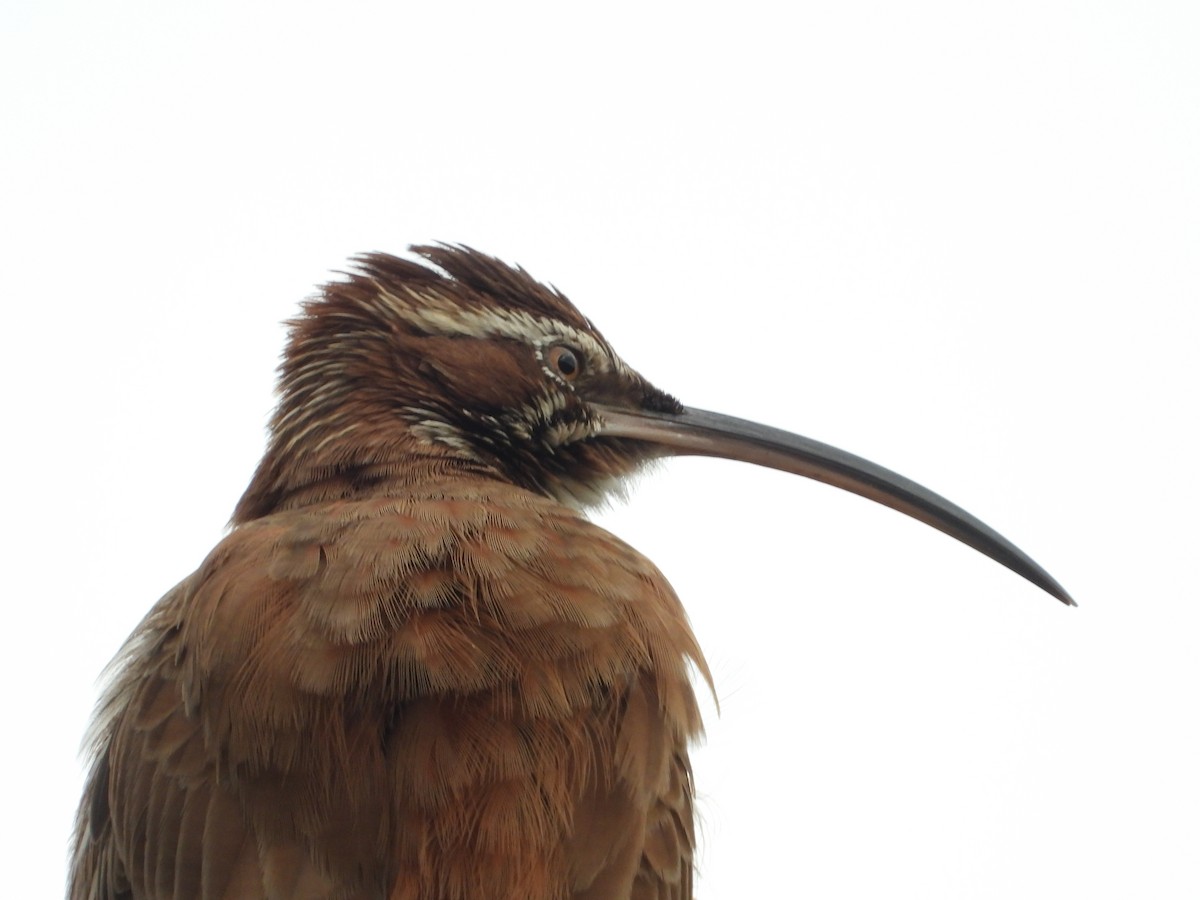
(565, 361)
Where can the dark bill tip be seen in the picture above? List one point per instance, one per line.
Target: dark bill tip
(696, 432)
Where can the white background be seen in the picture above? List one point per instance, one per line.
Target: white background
(959, 239)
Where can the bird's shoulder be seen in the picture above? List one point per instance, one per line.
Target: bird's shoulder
(492, 546)
(452, 585)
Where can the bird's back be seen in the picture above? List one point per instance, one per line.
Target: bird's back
(464, 690)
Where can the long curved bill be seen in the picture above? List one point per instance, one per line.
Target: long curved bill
(696, 432)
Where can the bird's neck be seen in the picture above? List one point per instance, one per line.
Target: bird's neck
(284, 481)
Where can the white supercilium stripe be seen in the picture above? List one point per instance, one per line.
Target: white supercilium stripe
(434, 313)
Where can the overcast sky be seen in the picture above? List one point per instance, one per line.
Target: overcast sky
(962, 240)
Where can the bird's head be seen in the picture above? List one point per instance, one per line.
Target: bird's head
(457, 362)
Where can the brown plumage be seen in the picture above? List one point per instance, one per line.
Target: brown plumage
(408, 671)
(414, 670)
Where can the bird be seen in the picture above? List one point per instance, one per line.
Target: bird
(413, 668)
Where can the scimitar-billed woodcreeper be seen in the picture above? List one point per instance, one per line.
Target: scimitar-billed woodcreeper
(413, 670)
